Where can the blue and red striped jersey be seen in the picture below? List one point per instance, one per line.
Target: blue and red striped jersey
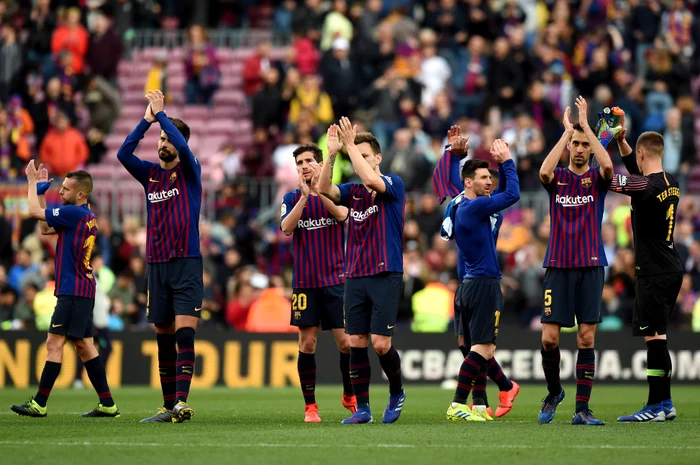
(375, 227)
(447, 180)
(576, 205)
(76, 227)
(318, 243)
(173, 197)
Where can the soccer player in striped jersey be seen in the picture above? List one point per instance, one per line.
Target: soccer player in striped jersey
(173, 199)
(446, 179)
(373, 264)
(573, 282)
(480, 296)
(76, 227)
(317, 277)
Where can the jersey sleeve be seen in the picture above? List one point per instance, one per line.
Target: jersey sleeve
(601, 183)
(345, 192)
(630, 162)
(394, 188)
(446, 176)
(288, 203)
(63, 217)
(136, 167)
(634, 185)
(552, 184)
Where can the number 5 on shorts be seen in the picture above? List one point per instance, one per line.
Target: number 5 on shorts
(548, 298)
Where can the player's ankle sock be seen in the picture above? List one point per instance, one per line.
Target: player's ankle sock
(585, 372)
(464, 350)
(468, 374)
(184, 367)
(96, 372)
(306, 366)
(167, 356)
(658, 371)
(345, 373)
(78, 370)
(497, 376)
(391, 364)
(360, 373)
(550, 366)
(48, 377)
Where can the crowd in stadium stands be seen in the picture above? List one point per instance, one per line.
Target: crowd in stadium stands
(404, 69)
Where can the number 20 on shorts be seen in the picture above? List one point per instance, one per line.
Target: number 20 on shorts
(298, 301)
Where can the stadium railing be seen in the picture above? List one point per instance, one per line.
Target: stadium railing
(229, 38)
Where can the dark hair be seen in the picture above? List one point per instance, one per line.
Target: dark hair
(363, 137)
(182, 127)
(83, 179)
(470, 167)
(577, 127)
(310, 147)
(653, 142)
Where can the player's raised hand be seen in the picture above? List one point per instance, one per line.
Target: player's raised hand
(316, 168)
(303, 186)
(43, 174)
(453, 134)
(620, 136)
(568, 127)
(500, 151)
(347, 132)
(582, 106)
(157, 101)
(149, 116)
(32, 172)
(460, 147)
(334, 145)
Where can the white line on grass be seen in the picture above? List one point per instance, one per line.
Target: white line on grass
(378, 446)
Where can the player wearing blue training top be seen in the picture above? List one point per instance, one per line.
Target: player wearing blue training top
(373, 266)
(480, 295)
(316, 224)
(573, 282)
(174, 301)
(76, 227)
(447, 183)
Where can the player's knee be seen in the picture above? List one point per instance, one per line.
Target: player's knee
(549, 341)
(343, 344)
(54, 345)
(381, 345)
(307, 344)
(358, 340)
(586, 340)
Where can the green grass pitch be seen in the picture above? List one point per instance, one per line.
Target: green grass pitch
(261, 426)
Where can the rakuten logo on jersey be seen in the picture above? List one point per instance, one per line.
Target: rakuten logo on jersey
(361, 216)
(162, 196)
(317, 224)
(573, 201)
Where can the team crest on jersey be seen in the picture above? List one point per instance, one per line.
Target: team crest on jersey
(284, 209)
(586, 182)
(297, 315)
(547, 311)
(173, 177)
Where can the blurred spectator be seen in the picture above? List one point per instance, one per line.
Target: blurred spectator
(73, 38)
(308, 19)
(158, 77)
(201, 67)
(255, 68)
(104, 50)
(311, 98)
(336, 25)
(434, 73)
(103, 102)
(42, 22)
(268, 104)
(469, 80)
(57, 100)
(64, 148)
(340, 77)
(23, 265)
(22, 125)
(11, 62)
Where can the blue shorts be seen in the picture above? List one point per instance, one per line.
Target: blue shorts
(479, 302)
(573, 292)
(319, 306)
(72, 317)
(372, 303)
(174, 288)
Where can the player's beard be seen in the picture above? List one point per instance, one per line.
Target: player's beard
(583, 162)
(166, 156)
(66, 201)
